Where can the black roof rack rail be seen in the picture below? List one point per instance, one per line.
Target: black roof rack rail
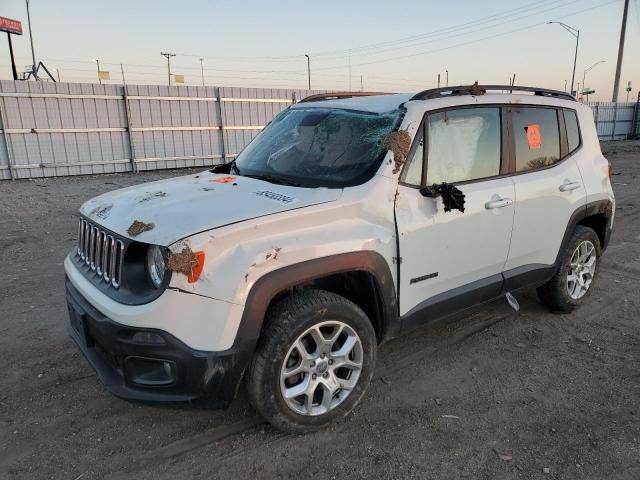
(476, 89)
(319, 97)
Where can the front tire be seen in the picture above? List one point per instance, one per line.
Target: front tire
(578, 269)
(314, 361)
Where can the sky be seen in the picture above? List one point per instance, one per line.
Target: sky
(385, 46)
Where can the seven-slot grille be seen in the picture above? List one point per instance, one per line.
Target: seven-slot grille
(101, 251)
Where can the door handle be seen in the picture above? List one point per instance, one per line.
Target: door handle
(501, 202)
(568, 186)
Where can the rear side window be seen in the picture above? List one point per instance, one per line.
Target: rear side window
(463, 144)
(537, 137)
(573, 131)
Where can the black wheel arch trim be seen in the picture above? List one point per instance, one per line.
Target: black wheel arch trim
(270, 285)
(597, 207)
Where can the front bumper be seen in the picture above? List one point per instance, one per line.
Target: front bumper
(167, 372)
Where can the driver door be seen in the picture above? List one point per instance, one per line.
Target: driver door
(452, 260)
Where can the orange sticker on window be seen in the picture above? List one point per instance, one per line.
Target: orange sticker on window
(533, 136)
(227, 179)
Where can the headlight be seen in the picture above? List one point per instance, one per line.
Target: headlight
(156, 265)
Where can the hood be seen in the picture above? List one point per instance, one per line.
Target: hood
(183, 206)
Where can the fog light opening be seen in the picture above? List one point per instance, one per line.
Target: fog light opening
(150, 372)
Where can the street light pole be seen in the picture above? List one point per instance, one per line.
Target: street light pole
(202, 69)
(308, 69)
(447, 80)
(168, 56)
(576, 33)
(98, 64)
(584, 76)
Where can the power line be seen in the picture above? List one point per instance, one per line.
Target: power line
(426, 52)
(517, 11)
(216, 72)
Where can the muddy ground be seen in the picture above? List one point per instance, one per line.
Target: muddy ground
(494, 395)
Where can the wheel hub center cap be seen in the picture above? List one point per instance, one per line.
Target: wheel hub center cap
(321, 367)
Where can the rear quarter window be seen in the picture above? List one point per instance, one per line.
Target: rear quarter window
(537, 137)
(573, 130)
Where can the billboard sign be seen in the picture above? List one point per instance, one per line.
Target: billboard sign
(10, 26)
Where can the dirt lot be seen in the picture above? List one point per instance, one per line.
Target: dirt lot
(544, 391)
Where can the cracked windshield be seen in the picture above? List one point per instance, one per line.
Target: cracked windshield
(318, 147)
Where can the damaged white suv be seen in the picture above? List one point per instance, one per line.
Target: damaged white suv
(349, 220)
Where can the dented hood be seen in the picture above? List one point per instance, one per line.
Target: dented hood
(184, 206)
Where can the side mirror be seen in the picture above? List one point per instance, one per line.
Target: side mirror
(427, 192)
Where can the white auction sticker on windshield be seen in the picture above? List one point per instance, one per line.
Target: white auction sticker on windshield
(276, 197)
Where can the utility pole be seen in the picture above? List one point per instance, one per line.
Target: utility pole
(13, 61)
(33, 53)
(576, 33)
(308, 69)
(122, 70)
(447, 80)
(438, 80)
(623, 30)
(168, 56)
(98, 64)
(565, 85)
(202, 70)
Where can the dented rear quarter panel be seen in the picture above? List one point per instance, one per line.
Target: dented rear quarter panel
(593, 165)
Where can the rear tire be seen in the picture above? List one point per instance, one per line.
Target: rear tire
(579, 265)
(314, 361)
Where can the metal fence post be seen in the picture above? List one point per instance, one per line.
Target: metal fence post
(223, 147)
(615, 118)
(5, 128)
(132, 149)
(636, 116)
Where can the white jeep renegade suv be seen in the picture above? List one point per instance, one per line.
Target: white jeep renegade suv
(349, 220)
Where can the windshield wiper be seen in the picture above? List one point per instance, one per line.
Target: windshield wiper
(272, 179)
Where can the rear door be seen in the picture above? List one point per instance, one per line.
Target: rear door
(452, 259)
(548, 186)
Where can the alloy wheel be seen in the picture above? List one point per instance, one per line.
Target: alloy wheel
(321, 368)
(582, 269)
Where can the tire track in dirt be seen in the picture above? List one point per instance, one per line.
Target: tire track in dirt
(186, 445)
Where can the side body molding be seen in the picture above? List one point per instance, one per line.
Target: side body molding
(460, 299)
